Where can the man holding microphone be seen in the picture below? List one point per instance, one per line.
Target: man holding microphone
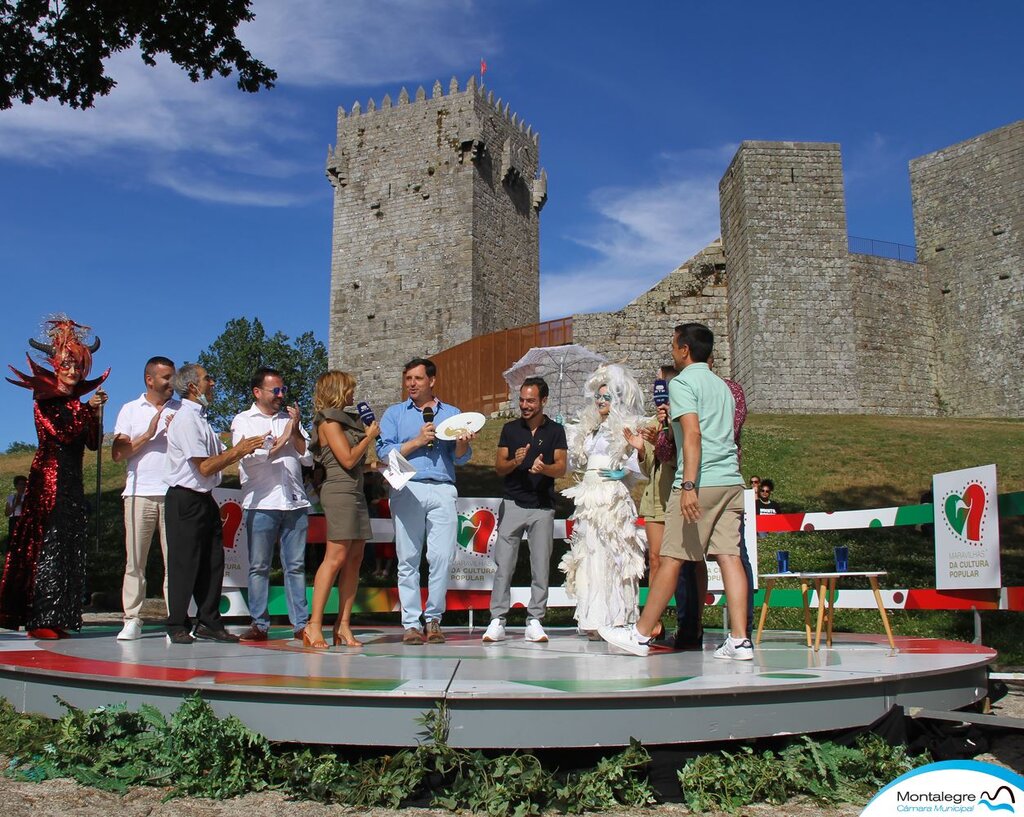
(424, 509)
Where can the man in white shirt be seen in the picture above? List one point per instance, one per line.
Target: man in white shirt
(195, 548)
(140, 439)
(274, 500)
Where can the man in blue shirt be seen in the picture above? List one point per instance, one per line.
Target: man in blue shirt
(424, 509)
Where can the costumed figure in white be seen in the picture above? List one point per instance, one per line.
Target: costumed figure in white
(605, 560)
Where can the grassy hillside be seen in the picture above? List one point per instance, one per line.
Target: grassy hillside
(818, 463)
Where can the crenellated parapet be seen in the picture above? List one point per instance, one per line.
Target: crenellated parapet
(471, 128)
(484, 94)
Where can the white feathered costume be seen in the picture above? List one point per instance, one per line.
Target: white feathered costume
(605, 560)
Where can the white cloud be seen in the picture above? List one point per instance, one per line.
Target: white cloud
(216, 187)
(366, 42)
(155, 115)
(640, 236)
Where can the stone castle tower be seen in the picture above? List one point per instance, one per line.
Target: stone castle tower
(790, 314)
(969, 226)
(436, 229)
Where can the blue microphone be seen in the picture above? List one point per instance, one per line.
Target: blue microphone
(660, 392)
(365, 412)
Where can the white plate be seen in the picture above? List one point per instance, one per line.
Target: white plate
(467, 421)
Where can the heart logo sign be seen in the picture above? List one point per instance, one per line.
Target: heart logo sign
(475, 531)
(231, 520)
(965, 513)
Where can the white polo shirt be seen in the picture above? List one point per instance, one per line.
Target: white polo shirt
(146, 468)
(190, 435)
(270, 483)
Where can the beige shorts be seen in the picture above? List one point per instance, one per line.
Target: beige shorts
(716, 533)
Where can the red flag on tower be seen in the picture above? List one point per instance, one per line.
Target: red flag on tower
(483, 68)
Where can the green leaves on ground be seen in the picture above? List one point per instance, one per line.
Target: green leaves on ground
(506, 785)
(113, 749)
(196, 753)
(826, 772)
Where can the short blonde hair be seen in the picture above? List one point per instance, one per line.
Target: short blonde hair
(334, 389)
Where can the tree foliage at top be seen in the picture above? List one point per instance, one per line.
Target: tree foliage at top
(56, 49)
(242, 348)
(20, 447)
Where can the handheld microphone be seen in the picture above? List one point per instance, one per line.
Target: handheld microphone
(428, 417)
(365, 412)
(661, 393)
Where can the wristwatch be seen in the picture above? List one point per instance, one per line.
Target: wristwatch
(689, 486)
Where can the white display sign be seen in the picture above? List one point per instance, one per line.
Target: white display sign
(236, 545)
(966, 529)
(473, 567)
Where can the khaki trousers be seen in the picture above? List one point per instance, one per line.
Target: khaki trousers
(143, 516)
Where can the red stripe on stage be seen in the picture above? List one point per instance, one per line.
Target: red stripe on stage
(44, 660)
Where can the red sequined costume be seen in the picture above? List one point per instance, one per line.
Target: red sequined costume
(44, 575)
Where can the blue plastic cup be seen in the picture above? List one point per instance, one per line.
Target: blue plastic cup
(842, 559)
(782, 561)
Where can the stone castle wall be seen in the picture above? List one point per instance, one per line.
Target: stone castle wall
(436, 206)
(969, 223)
(895, 336)
(640, 334)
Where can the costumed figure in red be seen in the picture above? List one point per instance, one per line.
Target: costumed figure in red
(44, 576)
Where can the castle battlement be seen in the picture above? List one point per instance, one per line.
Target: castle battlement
(481, 92)
(437, 201)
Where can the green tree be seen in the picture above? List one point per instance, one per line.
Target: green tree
(20, 448)
(242, 348)
(57, 50)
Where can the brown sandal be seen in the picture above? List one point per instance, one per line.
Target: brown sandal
(316, 644)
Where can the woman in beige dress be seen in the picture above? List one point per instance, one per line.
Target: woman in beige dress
(660, 475)
(339, 442)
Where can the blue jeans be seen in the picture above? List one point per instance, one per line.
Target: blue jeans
(424, 512)
(689, 608)
(263, 529)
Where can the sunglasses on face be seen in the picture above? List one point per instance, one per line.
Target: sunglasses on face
(278, 391)
(602, 398)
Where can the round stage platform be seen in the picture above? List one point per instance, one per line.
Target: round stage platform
(568, 692)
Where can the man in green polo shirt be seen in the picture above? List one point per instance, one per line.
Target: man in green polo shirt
(702, 516)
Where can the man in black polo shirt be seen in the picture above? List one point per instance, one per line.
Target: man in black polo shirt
(532, 454)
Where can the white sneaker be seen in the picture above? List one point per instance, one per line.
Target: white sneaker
(534, 632)
(495, 632)
(626, 638)
(736, 650)
(132, 630)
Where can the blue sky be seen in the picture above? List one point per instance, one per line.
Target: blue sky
(171, 207)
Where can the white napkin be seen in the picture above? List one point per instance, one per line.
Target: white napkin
(399, 470)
